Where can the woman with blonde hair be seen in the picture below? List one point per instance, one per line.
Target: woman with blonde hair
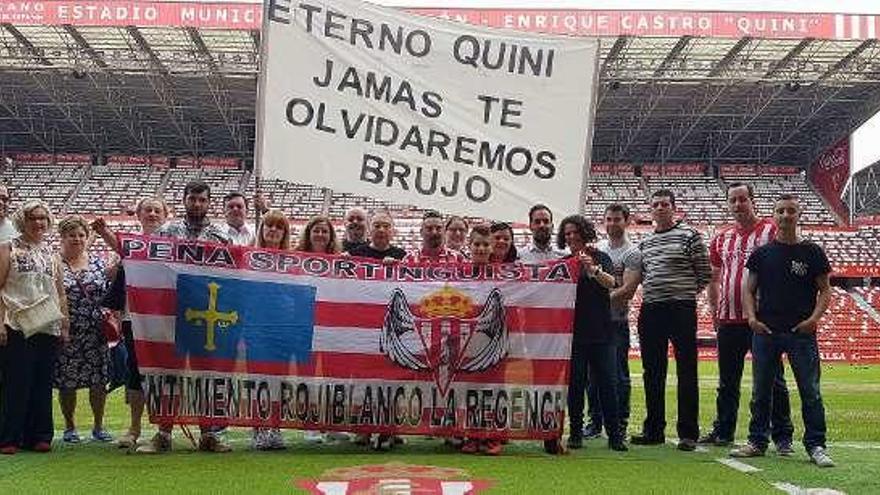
(35, 316)
(85, 361)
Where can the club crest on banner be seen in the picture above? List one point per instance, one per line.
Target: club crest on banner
(396, 478)
(445, 334)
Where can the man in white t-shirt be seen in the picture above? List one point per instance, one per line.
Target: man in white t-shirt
(541, 248)
(627, 261)
(235, 208)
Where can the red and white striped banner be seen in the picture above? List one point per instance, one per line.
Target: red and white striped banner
(406, 349)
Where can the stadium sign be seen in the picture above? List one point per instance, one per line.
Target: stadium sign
(422, 111)
(245, 14)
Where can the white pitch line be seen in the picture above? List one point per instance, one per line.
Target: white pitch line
(861, 446)
(738, 465)
(791, 489)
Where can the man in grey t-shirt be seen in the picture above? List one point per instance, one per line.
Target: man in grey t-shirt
(7, 230)
(627, 260)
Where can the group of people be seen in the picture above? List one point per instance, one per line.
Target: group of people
(767, 288)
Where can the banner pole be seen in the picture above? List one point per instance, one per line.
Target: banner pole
(588, 152)
(261, 105)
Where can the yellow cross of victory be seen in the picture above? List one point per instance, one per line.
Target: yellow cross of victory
(211, 317)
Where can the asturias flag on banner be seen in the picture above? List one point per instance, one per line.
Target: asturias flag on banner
(249, 336)
(215, 314)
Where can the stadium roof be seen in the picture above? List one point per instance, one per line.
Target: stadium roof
(188, 86)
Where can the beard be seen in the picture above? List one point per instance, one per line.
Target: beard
(541, 237)
(434, 242)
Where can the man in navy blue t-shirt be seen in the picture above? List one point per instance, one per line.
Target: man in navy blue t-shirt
(788, 292)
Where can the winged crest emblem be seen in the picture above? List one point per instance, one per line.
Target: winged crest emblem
(446, 334)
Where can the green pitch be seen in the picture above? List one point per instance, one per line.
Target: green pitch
(852, 400)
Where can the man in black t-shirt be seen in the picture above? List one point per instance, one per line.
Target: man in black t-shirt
(379, 248)
(381, 234)
(788, 292)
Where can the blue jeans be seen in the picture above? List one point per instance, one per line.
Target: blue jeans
(803, 357)
(624, 386)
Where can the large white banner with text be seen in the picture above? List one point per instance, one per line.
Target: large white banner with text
(415, 110)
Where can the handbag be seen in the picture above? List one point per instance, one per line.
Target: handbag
(35, 317)
(110, 326)
(118, 366)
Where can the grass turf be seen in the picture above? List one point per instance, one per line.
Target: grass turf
(852, 399)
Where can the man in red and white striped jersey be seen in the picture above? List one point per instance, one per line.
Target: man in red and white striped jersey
(728, 253)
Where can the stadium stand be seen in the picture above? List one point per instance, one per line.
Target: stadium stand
(847, 329)
(110, 190)
(52, 183)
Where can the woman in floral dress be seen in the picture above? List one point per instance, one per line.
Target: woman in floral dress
(84, 361)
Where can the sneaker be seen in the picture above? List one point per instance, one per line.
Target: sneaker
(127, 441)
(712, 438)
(210, 442)
(687, 445)
(645, 439)
(618, 445)
(315, 437)
(493, 447)
(784, 448)
(337, 436)
(102, 435)
(159, 444)
(575, 442)
(470, 447)
(9, 450)
(260, 439)
(276, 440)
(592, 430)
(71, 436)
(747, 450)
(820, 457)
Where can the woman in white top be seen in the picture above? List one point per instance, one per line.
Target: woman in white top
(34, 310)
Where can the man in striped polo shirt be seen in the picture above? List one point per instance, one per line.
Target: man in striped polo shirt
(728, 254)
(675, 268)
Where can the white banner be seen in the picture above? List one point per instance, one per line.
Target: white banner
(415, 110)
